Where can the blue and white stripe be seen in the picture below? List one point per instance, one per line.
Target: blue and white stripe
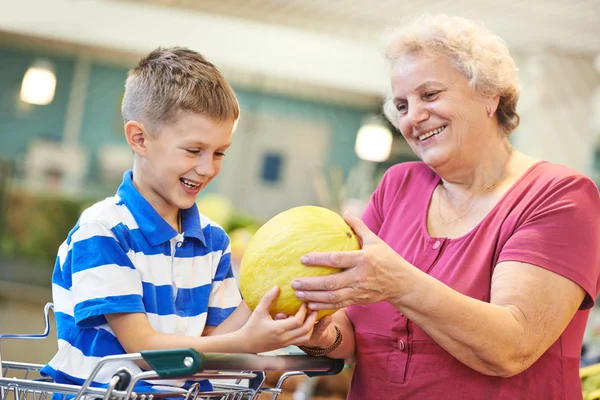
(122, 256)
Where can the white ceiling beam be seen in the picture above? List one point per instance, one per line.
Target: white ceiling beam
(281, 52)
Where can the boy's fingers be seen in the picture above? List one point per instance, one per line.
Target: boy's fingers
(312, 319)
(300, 333)
(309, 323)
(301, 314)
(296, 321)
(265, 303)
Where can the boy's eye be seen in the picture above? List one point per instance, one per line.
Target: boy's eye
(192, 151)
(219, 154)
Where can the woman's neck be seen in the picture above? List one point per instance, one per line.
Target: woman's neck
(479, 175)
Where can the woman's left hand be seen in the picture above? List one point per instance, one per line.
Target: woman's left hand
(370, 275)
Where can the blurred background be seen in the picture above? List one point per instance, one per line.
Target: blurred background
(310, 78)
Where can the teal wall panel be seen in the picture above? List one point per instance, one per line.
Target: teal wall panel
(102, 124)
(20, 122)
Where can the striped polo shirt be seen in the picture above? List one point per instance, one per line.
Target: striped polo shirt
(122, 256)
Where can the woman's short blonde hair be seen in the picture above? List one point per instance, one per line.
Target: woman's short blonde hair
(482, 57)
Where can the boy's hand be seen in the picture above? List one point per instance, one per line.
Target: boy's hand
(323, 334)
(263, 333)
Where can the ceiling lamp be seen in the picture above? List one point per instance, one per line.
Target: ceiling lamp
(39, 84)
(373, 141)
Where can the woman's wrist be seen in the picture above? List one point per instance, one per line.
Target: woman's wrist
(330, 338)
(406, 281)
(323, 351)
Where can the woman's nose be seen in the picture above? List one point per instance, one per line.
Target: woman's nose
(416, 115)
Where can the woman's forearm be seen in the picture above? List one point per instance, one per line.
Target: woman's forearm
(486, 337)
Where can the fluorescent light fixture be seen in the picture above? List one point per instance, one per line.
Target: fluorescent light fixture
(373, 142)
(39, 84)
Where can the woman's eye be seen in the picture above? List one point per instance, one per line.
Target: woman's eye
(431, 95)
(219, 154)
(401, 108)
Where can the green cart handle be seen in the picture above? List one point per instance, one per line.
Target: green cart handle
(174, 363)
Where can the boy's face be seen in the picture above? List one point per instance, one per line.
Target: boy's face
(180, 159)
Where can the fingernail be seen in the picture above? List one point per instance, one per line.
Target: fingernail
(274, 288)
(300, 295)
(312, 306)
(296, 285)
(304, 259)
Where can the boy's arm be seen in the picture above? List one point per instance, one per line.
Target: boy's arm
(135, 334)
(261, 333)
(235, 321)
(227, 312)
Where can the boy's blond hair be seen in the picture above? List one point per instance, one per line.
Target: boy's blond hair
(170, 82)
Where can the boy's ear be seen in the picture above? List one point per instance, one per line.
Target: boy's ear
(137, 137)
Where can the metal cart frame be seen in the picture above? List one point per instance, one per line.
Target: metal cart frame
(247, 371)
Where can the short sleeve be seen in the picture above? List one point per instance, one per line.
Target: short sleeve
(225, 295)
(561, 233)
(104, 280)
(373, 214)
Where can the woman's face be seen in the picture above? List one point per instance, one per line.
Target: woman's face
(441, 118)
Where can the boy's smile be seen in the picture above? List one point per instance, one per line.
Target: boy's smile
(178, 160)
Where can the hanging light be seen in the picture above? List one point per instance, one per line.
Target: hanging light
(373, 141)
(39, 84)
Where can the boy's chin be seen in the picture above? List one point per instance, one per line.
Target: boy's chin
(185, 204)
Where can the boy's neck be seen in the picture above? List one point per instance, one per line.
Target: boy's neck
(174, 220)
(179, 222)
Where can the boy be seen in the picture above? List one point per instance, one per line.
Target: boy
(143, 269)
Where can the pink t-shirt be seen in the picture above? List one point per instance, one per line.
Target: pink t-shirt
(549, 218)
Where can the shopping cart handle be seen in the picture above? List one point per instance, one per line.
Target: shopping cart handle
(174, 363)
(336, 368)
(177, 363)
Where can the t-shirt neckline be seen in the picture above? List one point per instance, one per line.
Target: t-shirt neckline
(436, 182)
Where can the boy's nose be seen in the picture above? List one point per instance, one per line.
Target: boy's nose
(204, 166)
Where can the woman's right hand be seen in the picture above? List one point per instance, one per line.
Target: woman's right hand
(263, 333)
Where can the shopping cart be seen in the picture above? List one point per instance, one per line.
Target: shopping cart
(233, 376)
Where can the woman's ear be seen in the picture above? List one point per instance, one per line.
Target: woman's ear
(491, 105)
(136, 136)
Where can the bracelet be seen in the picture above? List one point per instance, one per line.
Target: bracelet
(319, 352)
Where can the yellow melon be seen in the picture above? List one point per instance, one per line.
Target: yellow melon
(273, 255)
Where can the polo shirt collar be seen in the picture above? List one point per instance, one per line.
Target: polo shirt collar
(154, 227)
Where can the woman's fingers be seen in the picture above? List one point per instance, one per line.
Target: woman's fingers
(336, 259)
(328, 299)
(326, 282)
(362, 231)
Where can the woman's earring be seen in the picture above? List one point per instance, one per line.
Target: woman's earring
(491, 114)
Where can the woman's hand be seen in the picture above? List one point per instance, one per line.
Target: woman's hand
(263, 333)
(372, 274)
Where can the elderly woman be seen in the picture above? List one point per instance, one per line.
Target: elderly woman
(479, 264)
